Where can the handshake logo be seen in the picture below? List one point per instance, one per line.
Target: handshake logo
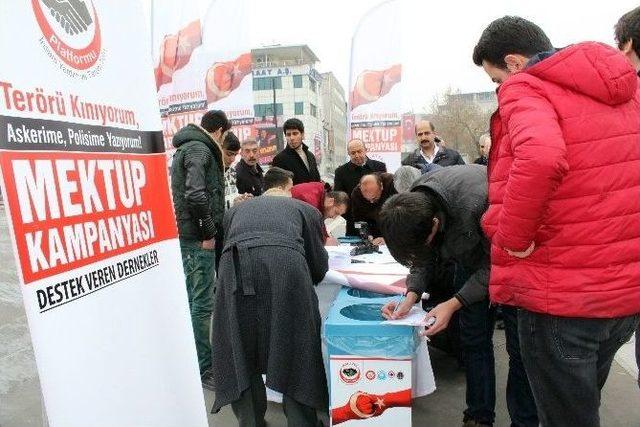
(72, 30)
(72, 15)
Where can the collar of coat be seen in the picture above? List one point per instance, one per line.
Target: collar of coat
(305, 148)
(257, 170)
(442, 152)
(367, 163)
(214, 146)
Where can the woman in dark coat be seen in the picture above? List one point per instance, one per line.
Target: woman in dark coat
(265, 317)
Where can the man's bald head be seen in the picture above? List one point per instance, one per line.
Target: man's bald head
(357, 152)
(371, 187)
(423, 123)
(485, 144)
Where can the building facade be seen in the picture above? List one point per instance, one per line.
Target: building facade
(285, 85)
(334, 114)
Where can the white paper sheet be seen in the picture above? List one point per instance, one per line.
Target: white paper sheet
(415, 317)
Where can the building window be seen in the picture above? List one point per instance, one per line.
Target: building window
(312, 84)
(298, 108)
(264, 83)
(313, 110)
(297, 82)
(266, 110)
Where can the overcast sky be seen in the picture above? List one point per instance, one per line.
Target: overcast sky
(439, 35)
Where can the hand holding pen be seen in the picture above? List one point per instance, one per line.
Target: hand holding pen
(400, 307)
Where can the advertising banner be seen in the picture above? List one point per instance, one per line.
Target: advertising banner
(85, 183)
(203, 64)
(375, 101)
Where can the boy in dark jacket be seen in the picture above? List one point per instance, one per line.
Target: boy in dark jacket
(296, 157)
(197, 184)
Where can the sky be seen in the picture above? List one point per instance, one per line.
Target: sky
(438, 36)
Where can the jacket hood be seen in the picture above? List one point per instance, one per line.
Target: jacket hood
(594, 69)
(192, 132)
(427, 182)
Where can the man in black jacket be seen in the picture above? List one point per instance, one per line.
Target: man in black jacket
(429, 150)
(197, 184)
(249, 175)
(296, 157)
(367, 200)
(438, 222)
(348, 175)
(485, 145)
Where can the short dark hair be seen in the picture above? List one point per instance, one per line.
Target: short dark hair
(293, 124)
(231, 142)
(628, 28)
(406, 220)
(214, 120)
(510, 35)
(276, 177)
(339, 197)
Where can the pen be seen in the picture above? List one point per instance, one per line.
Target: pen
(400, 298)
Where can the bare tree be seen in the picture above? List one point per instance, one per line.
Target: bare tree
(460, 120)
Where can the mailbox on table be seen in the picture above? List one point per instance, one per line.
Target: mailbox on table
(370, 364)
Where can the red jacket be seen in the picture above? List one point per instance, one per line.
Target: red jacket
(313, 194)
(564, 172)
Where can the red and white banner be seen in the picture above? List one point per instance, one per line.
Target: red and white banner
(208, 65)
(83, 173)
(176, 46)
(370, 391)
(375, 100)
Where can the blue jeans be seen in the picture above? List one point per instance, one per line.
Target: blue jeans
(568, 361)
(199, 272)
(520, 402)
(477, 323)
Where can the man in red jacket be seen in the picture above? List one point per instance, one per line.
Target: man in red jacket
(563, 217)
(331, 204)
(628, 39)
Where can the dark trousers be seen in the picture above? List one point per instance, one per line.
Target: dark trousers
(199, 271)
(251, 408)
(638, 351)
(520, 402)
(568, 361)
(476, 338)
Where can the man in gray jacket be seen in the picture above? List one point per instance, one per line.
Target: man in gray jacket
(427, 229)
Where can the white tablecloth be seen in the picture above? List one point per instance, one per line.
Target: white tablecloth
(327, 290)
